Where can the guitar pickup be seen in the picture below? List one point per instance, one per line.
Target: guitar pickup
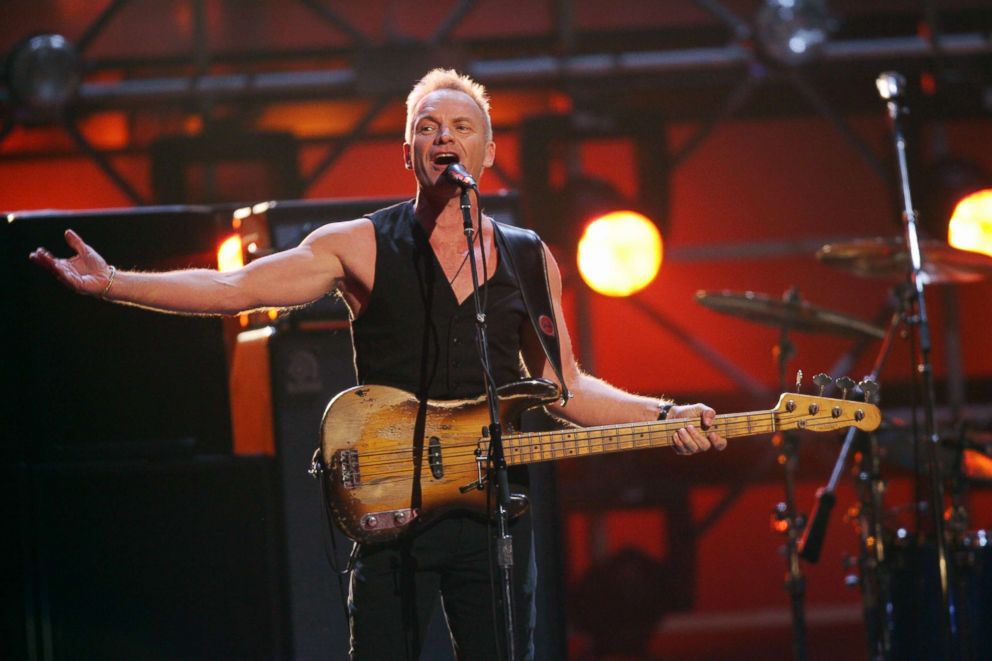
(434, 457)
(345, 463)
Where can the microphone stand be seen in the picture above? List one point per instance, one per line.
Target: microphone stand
(875, 587)
(497, 460)
(891, 87)
(795, 582)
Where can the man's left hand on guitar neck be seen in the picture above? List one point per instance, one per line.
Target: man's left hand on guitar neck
(692, 438)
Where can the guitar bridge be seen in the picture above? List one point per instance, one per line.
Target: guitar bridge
(345, 463)
(389, 519)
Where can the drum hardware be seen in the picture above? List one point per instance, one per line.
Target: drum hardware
(917, 263)
(887, 258)
(791, 313)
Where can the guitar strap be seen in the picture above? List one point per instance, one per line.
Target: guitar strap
(523, 253)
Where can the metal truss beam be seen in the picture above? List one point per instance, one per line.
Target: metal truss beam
(549, 69)
(97, 26)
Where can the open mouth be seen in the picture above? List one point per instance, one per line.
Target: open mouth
(445, 159)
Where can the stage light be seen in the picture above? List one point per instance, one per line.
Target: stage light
(793, 32)
(620, 253)
(957, 204)
(970, 227)
(229, 254)
(43, 74)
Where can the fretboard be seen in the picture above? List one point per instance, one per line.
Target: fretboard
(561, 444)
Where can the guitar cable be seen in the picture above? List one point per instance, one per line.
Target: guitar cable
(331, 550)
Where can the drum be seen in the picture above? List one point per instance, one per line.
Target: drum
(916, 601)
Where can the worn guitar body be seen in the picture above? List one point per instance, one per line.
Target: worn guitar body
(391, 462)
(390, 458)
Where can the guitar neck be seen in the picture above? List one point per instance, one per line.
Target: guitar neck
(561, 444)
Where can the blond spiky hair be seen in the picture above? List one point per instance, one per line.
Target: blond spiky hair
(440, 79)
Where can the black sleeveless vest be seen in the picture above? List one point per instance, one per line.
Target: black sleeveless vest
(413, 334)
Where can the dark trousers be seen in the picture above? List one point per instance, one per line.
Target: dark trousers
(395, 587)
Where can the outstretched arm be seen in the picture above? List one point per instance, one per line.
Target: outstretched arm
(291, 277)
(596, 402)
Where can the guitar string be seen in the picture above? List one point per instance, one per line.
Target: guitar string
(558, 436)
(400, 469)
(734, 424)
(551, 438)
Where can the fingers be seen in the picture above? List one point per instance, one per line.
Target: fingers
(61, 269)
(47, 261)
(86, 272)
(42, 257)
(75, 242)
(708, 417)
(691, 439)
(718, 441)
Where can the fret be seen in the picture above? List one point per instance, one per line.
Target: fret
(609, 440)
(572, 448)
(523, 451)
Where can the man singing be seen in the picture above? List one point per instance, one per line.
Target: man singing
(405, 274)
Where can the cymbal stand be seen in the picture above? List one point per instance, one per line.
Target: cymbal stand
(874, 568)
(875, 588)
(891, 87)
(785, 513)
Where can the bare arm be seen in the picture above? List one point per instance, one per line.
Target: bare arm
(291, 277)
(596, 402)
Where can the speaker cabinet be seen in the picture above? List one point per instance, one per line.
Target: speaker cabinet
(89, 378)
(307, 369)
(151, 560)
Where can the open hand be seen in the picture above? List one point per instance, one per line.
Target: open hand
(86, 272)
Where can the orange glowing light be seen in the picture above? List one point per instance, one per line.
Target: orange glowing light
(971, 223)
(229, 256)
(620, 253)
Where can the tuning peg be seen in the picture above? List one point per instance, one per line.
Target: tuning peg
(845, 383)
(870, 389)
(822, 380)
(799, 380)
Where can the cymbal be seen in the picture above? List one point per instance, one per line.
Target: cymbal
(791, 315)
(895, 439)
(887, 257)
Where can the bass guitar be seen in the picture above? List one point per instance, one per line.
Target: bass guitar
(391, 461)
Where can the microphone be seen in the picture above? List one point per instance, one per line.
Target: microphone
(892, 88)
(459, 176)
(891, 85)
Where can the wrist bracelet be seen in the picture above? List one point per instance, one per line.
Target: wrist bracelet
(110, 281)
(663, 410)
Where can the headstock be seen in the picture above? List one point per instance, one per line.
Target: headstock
(818, 413)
